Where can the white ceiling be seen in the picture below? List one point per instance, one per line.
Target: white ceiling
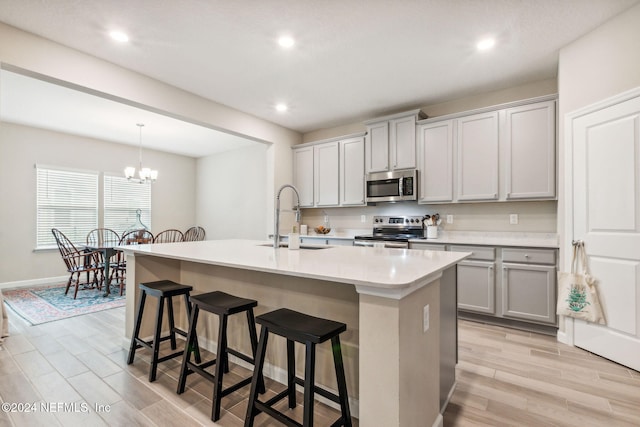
(32, 102)
(353, 59)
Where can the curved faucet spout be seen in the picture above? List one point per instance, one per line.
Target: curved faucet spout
(276, 215)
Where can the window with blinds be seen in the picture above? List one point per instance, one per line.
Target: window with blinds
(66, 200)
(121, 200)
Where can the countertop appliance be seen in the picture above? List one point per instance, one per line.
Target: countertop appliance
(392, 231)
(392, 186)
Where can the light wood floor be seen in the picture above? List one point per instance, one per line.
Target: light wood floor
(505, 377)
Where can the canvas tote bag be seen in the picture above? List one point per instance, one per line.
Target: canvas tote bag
(577, 291)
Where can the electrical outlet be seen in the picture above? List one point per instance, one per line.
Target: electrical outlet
(513, 219)
(425, 318)
(326, 219)
(449, 219)
(363, 218)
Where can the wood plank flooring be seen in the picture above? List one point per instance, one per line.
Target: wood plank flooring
(505, 378)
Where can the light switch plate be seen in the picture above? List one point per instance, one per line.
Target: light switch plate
(363, 218)
(449, 219)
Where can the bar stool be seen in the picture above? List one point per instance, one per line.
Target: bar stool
(309, 330)
(223, 305)
(162, 289)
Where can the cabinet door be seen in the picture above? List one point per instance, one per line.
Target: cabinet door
(352, 172)
(377, 147)
(477, 165)
(435, 162)
(530, 141)
(326, 173)
(402, 143)
(529, 292)
(476, 287)
(303, 174)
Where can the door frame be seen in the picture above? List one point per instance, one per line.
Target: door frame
(566, 335)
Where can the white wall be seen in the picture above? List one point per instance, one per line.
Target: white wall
(21, 147)
(599, 65)
(231, 196)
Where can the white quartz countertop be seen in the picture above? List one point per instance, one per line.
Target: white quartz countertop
(530, 240)
(385, 269)
(487, 238)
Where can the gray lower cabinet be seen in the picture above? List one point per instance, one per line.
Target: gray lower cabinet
(517, 284)
(477, 279)
(325, 241)
(529, 285)
(476, 286)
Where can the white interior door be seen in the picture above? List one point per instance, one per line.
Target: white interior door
(606, 216)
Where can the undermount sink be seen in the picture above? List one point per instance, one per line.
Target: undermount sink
(309, 247)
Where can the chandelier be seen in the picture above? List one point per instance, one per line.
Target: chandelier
(145, 174)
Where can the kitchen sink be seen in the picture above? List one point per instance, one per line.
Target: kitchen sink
(310, 247)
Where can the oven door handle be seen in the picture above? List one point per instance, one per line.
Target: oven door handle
(403, 245)
(364, 243)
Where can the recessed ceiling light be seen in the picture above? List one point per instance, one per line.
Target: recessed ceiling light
(281, 107)
(286, 42)
(119, 36)
(486, 44)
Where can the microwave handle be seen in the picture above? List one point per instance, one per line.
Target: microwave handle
(401, 184)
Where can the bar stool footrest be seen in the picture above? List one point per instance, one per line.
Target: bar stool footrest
(288, 421)
(322, 392)
(170, 356)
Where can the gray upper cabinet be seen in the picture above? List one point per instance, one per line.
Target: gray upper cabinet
(435, 162)
(477, 160)
(326, 174)
(377, 147)
(303, 174)
(391, 142)
(330, 172)
(499, 154)
(352, 180)
(531, 151)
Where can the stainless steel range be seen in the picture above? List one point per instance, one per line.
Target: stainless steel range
(392, 231)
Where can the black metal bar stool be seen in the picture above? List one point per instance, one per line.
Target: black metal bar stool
(223, 305)
(162, 289)
(309, 330)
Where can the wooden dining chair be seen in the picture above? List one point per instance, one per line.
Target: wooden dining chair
(169, 236)
(103, 237)
(78, 262)
(194, 234)
(135, 237)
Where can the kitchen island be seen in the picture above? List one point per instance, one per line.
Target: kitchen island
(395, 302)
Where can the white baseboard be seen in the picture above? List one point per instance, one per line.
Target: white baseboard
(34, 282)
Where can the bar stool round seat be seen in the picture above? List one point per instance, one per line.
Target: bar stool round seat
(163, 290)
(310, 331)
(223, 305)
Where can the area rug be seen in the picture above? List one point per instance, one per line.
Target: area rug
(49, 303)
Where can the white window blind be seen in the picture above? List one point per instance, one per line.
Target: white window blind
(121, 200)
(66, 200)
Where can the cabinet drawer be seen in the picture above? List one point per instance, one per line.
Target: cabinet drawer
(530, 256)
(427, 246)
(477, 252)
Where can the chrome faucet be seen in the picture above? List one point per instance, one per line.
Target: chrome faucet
(276, 227)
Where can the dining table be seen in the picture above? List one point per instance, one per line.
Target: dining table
(108, 250)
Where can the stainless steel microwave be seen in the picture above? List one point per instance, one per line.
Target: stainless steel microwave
(392, 186)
